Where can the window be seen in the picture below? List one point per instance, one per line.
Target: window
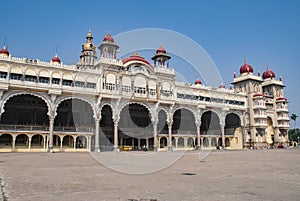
(110, 86)
(91, 85)
(140, 90)
(44, 80)
(55, 80)
(126, 89)
(79, 84)
(165, 93)
(3, 74)
(152, 92)
(67, 82)
(15, 76)
(30, 78)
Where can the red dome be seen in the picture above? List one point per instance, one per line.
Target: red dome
(161, 49)
(55, 59)
(198, 82)
(136, 57)
(268, 74)
(4, 51)
(109, 38)
(246, 68)
(222, 86)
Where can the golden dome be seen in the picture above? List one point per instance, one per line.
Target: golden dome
(88, 45)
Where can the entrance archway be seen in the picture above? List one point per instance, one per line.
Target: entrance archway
(26, 111)
(180, 142)
(184, 122)
(22, 140)
(232, 122)
(106, 134)
(37, 141)
(135, 123)
(163, 142)
(210, 124)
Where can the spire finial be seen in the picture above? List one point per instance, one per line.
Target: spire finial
(267, 66)
(56, 51)
(245, 60)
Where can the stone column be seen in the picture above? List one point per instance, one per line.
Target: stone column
(170, 136)
(29, 144)
(139, 143)
(155, 135)
(74, 144)
(222, 125)
(97, 126)
(44, 142)
(116, 135)
(14, 143)
(61, 138)
(51, 123)
(198, 124)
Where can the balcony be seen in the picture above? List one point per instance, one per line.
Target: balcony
(282, 109)
(260, 116)
(283, 126)
(283, 118)
(259, 106)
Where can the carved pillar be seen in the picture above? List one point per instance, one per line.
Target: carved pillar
(51, 124)
(222, 125)
(116, 134)
(75, 137)
(97, 126)
(155, 135)
(198, 124)
(29, 143)
(170, 136)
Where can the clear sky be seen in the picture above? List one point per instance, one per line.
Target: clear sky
(266, 32)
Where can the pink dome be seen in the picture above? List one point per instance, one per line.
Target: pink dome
(198, 82)
(268, 74)
(222, 86)
(109, 38)
(55, 59)
(246, 68)
(161, 49)
(4, 51)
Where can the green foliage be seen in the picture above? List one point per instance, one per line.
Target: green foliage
(294, 118)
(294, 134)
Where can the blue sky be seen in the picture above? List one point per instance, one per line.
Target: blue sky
(265, 32)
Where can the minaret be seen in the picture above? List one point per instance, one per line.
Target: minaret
(161, 58)
(88, 55)
(108, 48)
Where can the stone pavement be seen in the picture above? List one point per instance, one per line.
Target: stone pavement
(223, 175)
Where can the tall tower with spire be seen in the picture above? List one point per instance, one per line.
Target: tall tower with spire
(88, 55)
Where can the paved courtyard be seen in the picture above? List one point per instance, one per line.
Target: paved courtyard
(222, 175)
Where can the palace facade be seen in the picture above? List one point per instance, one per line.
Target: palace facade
(104, 104)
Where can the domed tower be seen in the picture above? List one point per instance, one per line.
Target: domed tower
(108, 48)
(161, 58)
(88, 55)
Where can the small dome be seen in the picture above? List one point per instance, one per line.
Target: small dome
(222, 86)
(246, 68)
(136, 57)
(268, 74)
(4, 51)
(108, 38)
(55, 59)
(198, 82)
(161, 49)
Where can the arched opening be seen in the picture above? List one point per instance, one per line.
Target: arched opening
(37, 141)
(74, 115)
(227, 142)
(68, 141)
(106, 134)
(232, 121)
(22, 140)
(135, 123)
(162, 126)
(163, 142)
(173, 142)
(56, 141)
(6, 140)
(213, 142)
(184, 122)
(25, 112)
(81, 142)
(190, 142)
(180, 142)
(205, 142)
(220, 141)
(210, 124)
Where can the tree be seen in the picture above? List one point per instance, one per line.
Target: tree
(294, 118)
